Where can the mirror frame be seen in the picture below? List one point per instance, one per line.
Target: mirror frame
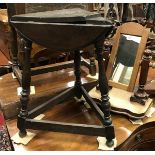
(134, 29)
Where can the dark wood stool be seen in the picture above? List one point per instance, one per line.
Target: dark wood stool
(64, 30)
(38, 51)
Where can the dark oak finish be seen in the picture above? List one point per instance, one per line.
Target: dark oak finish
(72, 35)
(25, 84)
(106, 53)
(69, 112)
(14, 9)
(68, 43)
(77, 73)
(92, 68)
(46, 85)
(52, 102)
(84, 129)
(104, 89)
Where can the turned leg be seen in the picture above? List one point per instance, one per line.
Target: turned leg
(26, 79)
(140, 95)
(106, 55)
(77, 72)
(104, 89)
(92, 68)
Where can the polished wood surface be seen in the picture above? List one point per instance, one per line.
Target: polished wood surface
(46, 86)
(3, 59)
(142, 139)
(4, 33)
(76, 113)
(150, 87)
(67, 112)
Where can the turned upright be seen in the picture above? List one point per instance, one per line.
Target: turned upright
(65, 31)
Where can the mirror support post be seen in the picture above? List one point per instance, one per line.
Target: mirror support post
(140, 95)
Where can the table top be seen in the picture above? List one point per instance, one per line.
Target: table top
(63, 30)
(58, 16)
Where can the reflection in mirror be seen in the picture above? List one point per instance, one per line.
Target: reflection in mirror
(125, 58)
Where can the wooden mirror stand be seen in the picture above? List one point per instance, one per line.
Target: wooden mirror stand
(138, 32)
(121, 95)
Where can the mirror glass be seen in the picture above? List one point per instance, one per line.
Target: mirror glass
(125, 58)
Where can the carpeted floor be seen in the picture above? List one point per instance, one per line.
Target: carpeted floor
(5, 142)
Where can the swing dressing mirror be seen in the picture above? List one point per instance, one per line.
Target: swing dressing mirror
(128, 47)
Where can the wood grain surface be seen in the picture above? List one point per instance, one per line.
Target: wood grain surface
(76, 113)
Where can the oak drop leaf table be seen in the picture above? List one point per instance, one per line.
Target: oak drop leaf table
(64, 30)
